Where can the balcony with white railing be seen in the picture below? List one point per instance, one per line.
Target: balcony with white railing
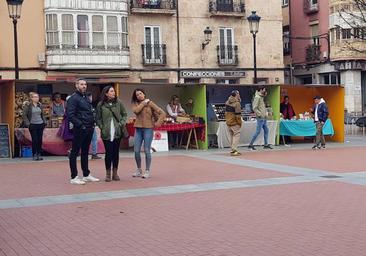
(87, 58)
(227, 55)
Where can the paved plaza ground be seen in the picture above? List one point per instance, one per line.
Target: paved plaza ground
(288, 201)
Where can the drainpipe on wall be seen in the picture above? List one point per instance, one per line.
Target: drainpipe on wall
(178, 40)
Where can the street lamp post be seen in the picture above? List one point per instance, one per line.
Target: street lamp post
(254, 27)
(14, 8)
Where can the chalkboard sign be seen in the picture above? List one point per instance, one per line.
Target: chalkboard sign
(5, 151)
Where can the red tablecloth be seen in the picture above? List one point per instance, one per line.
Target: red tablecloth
(52, 143)
(200, 128)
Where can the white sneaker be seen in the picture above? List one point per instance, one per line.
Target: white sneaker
(77, 181)
(146, 174)
(137, 173)
(90, 179)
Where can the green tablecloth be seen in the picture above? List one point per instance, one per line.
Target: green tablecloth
(303, 128)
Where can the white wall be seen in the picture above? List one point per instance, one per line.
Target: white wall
(353, 96)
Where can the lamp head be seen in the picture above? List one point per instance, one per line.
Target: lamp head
(14, 8)
(254, 22)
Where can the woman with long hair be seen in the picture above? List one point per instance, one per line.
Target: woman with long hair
(34, 120)
(148, 116)
(111, 118)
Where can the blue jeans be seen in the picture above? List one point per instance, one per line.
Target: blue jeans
(261, 123)
(94, 143)
(143, 135)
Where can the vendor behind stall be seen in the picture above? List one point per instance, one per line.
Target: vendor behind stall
(174, 109)
(58, 105)
(286, 109)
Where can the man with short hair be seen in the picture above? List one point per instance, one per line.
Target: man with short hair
(259, 108)
(234, 120)
(80, 114)
(321, 113)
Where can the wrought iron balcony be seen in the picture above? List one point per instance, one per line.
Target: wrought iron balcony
(153, 6)
(310, 7)
(153, 54)
(227, 8)
(227, 55)
(313, 53)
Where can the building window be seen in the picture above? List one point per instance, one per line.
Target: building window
(98, 33)
(67, 31)
(330, 78)
(284, 2)
(313, 2)
(152, 48)
(112, 32)
(83, 31)
(226, 46)
(346, 33)
(86, 31)
(315, 34)
(124, 33)
(52, 31)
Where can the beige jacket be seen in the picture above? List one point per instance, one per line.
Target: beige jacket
(148, 116)
(259, 107)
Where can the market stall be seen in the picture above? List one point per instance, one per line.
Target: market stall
(193, 126)
(14, 94)
(301, 97)
(217, 129)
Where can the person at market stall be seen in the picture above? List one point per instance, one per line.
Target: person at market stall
(35, 121)
(234, 120)
(287, 112)
(58, 105)
(94, 142)
(259, 108)
(80, 115)
(111, 119)
(146, 113)
(321, 113)
(286, 109)
(174, 109)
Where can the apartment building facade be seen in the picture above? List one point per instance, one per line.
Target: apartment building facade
(348, 47)
(167, 41)
(144, 40)
(320, 47)
(61, 40)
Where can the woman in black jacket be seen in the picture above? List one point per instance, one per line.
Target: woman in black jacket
(33, 119)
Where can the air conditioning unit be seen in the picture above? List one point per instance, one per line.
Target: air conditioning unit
(41, 58)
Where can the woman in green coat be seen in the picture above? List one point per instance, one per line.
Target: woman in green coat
(111, 118)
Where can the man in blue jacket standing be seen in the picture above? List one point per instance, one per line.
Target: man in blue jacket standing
(320, 111)
(80, 114)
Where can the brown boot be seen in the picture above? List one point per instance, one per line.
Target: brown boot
(108, 176)
(115, 175)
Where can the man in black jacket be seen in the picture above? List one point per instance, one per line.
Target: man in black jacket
(80, 115)
(321, 113)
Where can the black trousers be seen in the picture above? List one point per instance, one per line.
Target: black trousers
(111, 153)
(82, 139)
(36, 131)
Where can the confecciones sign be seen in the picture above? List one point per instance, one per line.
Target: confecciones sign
(210, 74)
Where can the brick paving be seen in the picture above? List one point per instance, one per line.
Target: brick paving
(320, 217)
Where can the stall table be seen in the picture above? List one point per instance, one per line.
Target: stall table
(247, 131)
(195, 129)
(304, 128)
(52, 143)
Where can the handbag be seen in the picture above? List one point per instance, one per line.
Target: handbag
(124, 131)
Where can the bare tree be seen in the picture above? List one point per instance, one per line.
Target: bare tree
(354, 17)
